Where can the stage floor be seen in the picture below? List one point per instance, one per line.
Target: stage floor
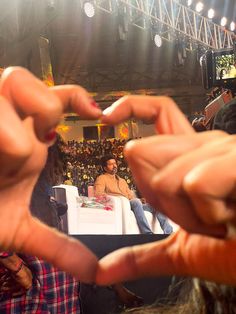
(103, 300)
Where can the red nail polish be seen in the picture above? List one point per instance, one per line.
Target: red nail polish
(50, 136)
(94, 104)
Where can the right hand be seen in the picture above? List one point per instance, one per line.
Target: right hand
(161, 174)
(191, 178)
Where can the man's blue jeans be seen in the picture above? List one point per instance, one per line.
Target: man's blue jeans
(164, 223)
(137, 208)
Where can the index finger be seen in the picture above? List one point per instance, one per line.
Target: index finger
(76, 99)
(31, 97)
(162, 110)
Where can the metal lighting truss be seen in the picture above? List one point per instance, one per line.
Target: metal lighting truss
(171, 20)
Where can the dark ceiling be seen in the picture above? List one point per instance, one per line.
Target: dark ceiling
(89, 51)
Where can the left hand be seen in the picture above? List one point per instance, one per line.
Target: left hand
(29, 114)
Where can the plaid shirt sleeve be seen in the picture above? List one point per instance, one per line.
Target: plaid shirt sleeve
(53, 292)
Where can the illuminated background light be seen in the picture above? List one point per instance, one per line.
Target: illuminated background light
(89, 9)
(232, 26)
(189, 2)
(211, 13)
(223, 21)
(199, 7)
(158, 40)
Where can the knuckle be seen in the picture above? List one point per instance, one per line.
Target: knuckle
(12, 75)
(18, 150)
(24, 148)
(131, 149)
(79, 89)
(74, 91)
(126, 98)
(52, 105)
(48, 115)
(233, 138)
(168, 101)
(193, 185)
(162, 185)
(218, 133)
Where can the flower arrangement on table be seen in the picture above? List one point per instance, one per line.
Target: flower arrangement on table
(100, 202)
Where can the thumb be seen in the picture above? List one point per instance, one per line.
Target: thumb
(181, 254)
(135, 262)
(60, 250)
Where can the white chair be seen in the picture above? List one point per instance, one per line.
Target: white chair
(68, 194)
(86, 220)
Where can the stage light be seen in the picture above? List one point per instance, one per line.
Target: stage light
(223, 21)
(51, 4)
(89, 9)
(211, 13)
(199, 6)
(232, 26)
(189, 2)
(158, 40)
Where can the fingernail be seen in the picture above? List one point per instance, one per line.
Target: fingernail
(107, 111)
(94, 104)
(51, 135)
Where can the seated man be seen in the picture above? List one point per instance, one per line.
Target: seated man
(111, 183)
